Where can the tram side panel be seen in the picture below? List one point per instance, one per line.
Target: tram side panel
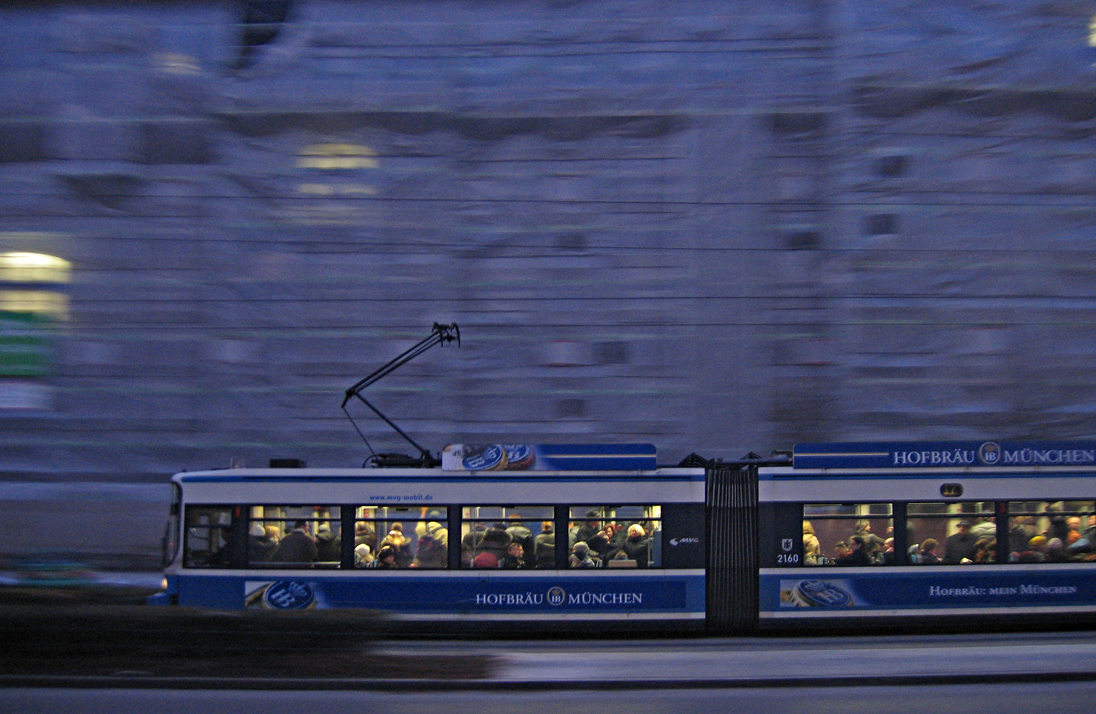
(902, 588)
(671, 591)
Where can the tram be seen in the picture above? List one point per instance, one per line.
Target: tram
(592, 537)
(595, 537)
(473, 544)
(975, 533)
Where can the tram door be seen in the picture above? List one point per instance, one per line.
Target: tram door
(732, 578)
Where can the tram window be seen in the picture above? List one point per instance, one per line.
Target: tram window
(208, 533)
(401, 537)
(829, 530)
(951, 533)
(295, 536)
(1051, 531)
(615, 537)
(171, 533)
(508, 537)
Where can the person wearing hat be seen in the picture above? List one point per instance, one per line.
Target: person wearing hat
(399, 544)
(259, 544)
(363, 556)
(1035, 552)
(386, 558)
(960, 544)
(590, 528)
(580, 557)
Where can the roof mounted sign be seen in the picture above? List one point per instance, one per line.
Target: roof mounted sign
(944, 454)
(549, 457)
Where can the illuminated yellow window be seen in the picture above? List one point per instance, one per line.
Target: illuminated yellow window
(337, 157)
(31, 301)
(44, 303)
(22, 267)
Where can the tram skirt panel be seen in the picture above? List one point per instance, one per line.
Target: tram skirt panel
(732, 599)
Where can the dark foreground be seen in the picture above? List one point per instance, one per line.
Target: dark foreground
(105, 636)
(95, 631)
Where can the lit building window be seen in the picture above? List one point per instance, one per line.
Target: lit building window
(21, 267)
(337, 157)
(31, 302)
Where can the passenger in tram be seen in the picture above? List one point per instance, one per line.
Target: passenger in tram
(888, 556)
(386, 559)
(434, 529)
(400, 545)
(519, 533)
(590, 528)
(495, 541)
(1059, 526)
(1084, 548)
(985, 551)
(840, 550)
(1073, 530)
(545, 545)
(857, 554)
(812, 549)
(599, 543)
(580, 557)
(515, 557)
(619, 533)
(297, 546)
(485, 560)
(1022, 531)
(259, 545)
(1034, 552)
(328, 545)
(927, 552)
(873, 544)
(430, 554)
(637, 546)
(471, 543)
(960, 546)
(363, 556)
(364, 534)
(223, 554)
(1056, 551)
(984, 528)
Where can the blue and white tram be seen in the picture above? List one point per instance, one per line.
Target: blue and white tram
(450, 534)
(926, 534)
(949, 532)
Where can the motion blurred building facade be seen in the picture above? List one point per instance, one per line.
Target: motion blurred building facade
(715, 226)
